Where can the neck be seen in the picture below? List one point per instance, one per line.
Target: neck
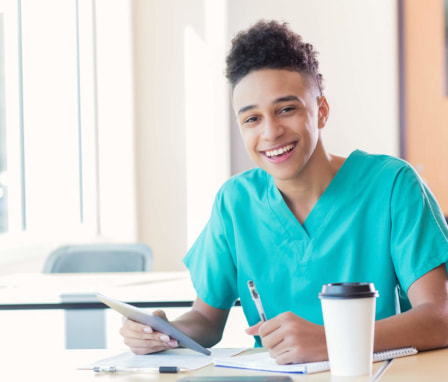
(303, 192)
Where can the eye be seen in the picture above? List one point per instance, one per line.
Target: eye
(287, 109)
(250, 120)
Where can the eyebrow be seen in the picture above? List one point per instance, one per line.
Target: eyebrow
(278, 100)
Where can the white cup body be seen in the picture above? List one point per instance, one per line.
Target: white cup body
(349, 330)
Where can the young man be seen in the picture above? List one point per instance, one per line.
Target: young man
(305, 218)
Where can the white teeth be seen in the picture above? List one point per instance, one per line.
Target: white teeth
(279, 151)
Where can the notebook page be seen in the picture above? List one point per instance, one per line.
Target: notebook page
(262, 361)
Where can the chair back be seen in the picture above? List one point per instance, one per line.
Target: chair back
(97, 258)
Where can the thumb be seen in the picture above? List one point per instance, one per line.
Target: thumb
(160, 313)
(253, 330)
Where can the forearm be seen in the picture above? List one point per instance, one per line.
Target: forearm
(424, 327)
(203, 323)
(198, 327)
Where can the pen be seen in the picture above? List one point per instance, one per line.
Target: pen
(381, 370)
(257, 301)
(113, 369)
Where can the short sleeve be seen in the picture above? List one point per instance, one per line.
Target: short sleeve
(210, 261)
(419, 234)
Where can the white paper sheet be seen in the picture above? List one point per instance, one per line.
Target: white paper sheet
(182, 358)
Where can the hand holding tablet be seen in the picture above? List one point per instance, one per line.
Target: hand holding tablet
(156, 322)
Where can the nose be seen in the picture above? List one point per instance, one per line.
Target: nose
(272, 129)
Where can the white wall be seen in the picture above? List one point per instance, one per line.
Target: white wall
(182, 150)
(115, 119)
(357, 41)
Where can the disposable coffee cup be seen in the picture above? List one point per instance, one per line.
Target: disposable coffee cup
(349, 320)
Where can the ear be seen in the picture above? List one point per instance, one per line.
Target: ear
(324, 111)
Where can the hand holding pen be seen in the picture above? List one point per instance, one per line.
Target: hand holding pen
(289, 338)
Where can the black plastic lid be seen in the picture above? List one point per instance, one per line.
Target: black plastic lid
(348, 290)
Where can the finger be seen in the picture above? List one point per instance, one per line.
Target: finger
(269, 326)
(154, 340)
(133, 325)
(272, 336)
(171, 343)
(130, 326)
(273, 340)
(144, 348)
(142, 339)
(283, 357)
(153, 343)
(253, 330)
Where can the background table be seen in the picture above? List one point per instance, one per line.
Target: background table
(69, 301)
(85, 316)
(77, 291)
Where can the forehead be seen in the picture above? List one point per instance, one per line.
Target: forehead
(263, 86)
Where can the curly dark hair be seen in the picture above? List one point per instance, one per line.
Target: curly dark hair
(272, 45)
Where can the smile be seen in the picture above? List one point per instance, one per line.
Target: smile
(280, 151)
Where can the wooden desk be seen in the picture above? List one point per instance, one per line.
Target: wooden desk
(61, 366)
(431, 366)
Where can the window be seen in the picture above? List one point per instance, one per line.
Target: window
(3, 168)
(48, 145)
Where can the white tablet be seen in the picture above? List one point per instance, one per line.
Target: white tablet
(157, 323)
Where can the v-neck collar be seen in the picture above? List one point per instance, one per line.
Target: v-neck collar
(321, 211)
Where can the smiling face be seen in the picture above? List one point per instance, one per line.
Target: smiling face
(279, 114)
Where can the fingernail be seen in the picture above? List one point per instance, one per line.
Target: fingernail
(173, 343)
(147, 329)
(164, 338)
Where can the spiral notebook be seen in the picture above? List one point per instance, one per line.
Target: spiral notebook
(263, 362)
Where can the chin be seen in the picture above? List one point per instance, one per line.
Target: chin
(283, 176)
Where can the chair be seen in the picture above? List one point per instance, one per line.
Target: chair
(85, 328)
(88, 258)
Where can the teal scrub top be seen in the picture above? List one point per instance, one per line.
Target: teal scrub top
(376, 222)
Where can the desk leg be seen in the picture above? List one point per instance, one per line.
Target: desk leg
(85, 329)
